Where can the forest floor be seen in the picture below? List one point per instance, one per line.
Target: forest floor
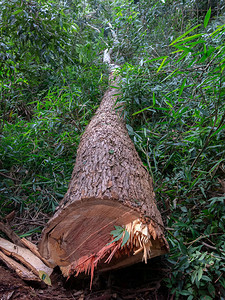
(138, 282)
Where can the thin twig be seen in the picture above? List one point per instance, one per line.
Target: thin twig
(199, 238)
(208, 246)
(7, 176)
(218, 278)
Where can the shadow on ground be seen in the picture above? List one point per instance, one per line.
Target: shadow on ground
(139, 281)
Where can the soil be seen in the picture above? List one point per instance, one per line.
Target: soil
(138, 282)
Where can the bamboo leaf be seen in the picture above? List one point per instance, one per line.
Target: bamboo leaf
(207, 17)
(155, 59)
(183, 35)
(182, 87)
(162, 63)
(217, 31)
(187, 39)
(218, 130)
(138, 112)
(153, 99)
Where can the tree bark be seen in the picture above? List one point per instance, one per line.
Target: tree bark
(109, 186)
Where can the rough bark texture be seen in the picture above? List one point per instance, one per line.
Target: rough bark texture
(109, 186)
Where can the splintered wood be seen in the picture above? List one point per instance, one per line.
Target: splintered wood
(140, 240)
(23, 261)
(20, 270)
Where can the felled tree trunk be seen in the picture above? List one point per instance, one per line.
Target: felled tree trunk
(109, 186)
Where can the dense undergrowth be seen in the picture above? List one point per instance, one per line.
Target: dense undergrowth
(172, 58)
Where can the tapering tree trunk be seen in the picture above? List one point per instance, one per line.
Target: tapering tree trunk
(109, 186)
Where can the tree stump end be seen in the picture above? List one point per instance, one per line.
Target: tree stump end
(83, 229)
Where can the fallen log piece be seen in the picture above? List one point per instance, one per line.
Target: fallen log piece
(20, 270)
(11, 234)
(34, 249)
(25, 256)
(109, 187)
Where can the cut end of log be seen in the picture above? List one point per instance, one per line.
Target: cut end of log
(136, 240)
(82, 229)
(83, 232)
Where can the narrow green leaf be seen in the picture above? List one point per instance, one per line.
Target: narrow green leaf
(218, 130)
(162, 63)
(153, 99)
(182, 57)
(162, 108)
(200, 272)
(169, 104)
(17, 12)
(138, 112)
(155, 59)
(183, 35)
(182, 87)
(207, 17)
(183, 48)
(215, 166)
(126, 238)
(170, 75)
(189, 38)
(217, 31)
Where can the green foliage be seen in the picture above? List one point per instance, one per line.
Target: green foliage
(172, 58)
(46, 101)
(40, 153)
(207, 17)
(120, 233)
(175, 108)
(34, 38)
(197, 255)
